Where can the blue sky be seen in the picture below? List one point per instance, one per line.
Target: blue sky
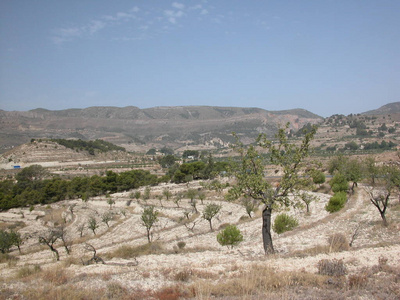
(326, 56)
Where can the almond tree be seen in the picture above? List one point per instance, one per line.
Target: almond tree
(210, 211)
(167, 194)
(385, 185)
(149, 218)
(92, 224)
(50, 238)
(252, 183)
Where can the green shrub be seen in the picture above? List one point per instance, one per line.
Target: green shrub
(318, 177)
(339, 183)
(336, 202)
(284, 222)
(181, 244)
(230, 236)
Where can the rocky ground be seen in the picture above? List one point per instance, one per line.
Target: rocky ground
(201, 259)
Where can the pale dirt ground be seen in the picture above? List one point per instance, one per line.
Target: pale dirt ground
(155, 271)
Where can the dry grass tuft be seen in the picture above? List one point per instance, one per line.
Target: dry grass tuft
(258, 280)
(56, 276)
(71, 260)
(8, 258)
(357, 281)
(27, 271)
(183, 276)
(334, 267)
(168, 293)
(338, 242)
(116, 291)
(131, 252)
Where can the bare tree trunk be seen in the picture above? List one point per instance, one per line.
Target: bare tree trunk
(266, 230)
(148, 235)
(383, 216)
(55, 252)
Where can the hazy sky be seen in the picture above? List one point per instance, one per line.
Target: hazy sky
(326, 56)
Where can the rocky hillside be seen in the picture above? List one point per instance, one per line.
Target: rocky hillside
(163, 126)
(391, 108)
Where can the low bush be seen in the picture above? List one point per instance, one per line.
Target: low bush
(339, 183)
(181, 244)
(183, 276)
(230, 236)
(336, 202)
(358, 280)
(283, 223)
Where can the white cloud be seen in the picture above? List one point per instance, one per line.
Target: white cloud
(135, 9)
(178, 5)
(69, 32)
(62, 35)
(172, 16)
(142, 18)
(96, 26)
(196, 7)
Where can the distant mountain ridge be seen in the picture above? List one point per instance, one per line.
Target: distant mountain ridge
(176, 126)
(390, 108)
(166, 112)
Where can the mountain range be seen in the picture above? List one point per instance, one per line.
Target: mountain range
(173, 127)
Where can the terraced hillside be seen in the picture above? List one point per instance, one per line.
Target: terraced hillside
(185, 261)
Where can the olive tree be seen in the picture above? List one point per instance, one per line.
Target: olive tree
(251, 182)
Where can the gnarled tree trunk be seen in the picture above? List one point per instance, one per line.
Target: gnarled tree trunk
(266, 230)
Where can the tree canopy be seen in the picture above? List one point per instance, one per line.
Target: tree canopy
(251, 181)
